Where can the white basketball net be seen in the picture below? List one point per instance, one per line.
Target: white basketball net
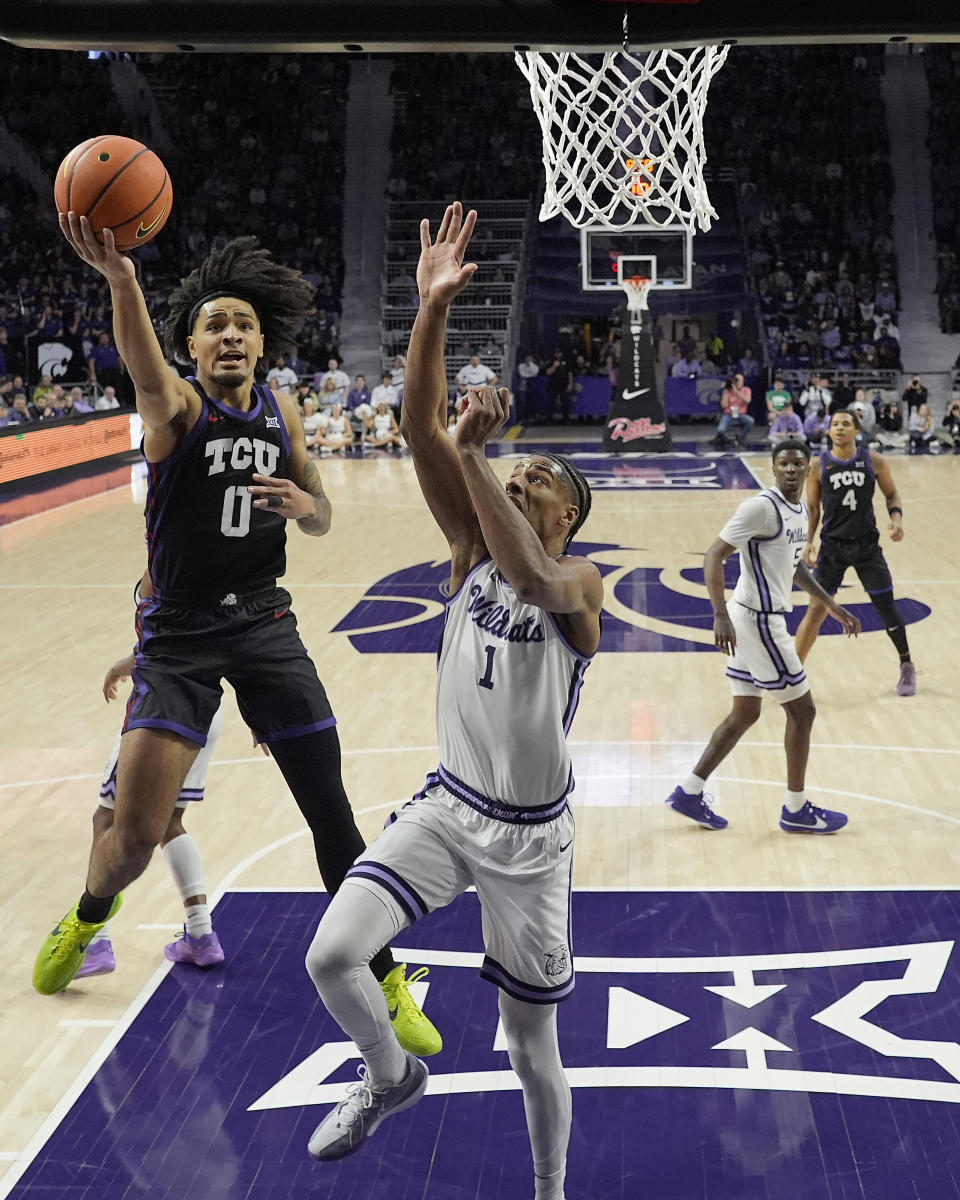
(623, 135)
(637, 292)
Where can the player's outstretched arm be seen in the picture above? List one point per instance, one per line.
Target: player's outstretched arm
(298, 496)
(884, 476)
(572, 585)
(813, 510)
(162, 397)
(441, 276)
(724, 634)
(804, 580)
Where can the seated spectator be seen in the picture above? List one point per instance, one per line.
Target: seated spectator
(282, 378)
(815, 426)
(815, 395)
(329, 395)
(5, 414)
(920, 427)
(53, 405)
(386, 392)
(685, 368)
(337, 434)
(476, 374)
(735, 405)
(844, 393)
(107, 400)
(951, 425)
(890, 432)
(382, 429)
(786, 424)
(359, 395)
(21, 412)
(313, 422)
(778, 397)
(527, 370)
(716, 351)
(914, 394)
(80, 403)
(749, 368)
(865, 414)
(42, 391)
(399, 371)
(340, 378)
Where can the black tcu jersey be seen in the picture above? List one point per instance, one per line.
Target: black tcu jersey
(205, 539)
(846, 497)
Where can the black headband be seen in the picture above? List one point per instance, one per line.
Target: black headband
(205, 299)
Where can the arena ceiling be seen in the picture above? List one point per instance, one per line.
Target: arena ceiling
(392, 26)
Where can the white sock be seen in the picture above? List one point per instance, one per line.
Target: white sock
(693, 785)
(550, 1188)
(197, 920)
(795, 800)
(104, 933)
(186, 866)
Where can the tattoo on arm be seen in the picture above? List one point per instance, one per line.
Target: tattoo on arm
(310, 480)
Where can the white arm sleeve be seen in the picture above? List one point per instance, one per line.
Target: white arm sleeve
(756, 517)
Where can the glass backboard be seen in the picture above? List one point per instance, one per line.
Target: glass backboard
(670, 248)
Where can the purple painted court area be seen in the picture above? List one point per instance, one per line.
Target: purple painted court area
(729, 1046)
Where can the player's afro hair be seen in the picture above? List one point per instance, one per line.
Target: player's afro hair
(281, 296)
(579, 491)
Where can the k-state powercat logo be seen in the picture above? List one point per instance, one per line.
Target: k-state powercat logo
(647, 608)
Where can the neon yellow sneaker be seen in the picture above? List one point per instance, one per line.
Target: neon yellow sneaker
(62, 953)
(414, 1031)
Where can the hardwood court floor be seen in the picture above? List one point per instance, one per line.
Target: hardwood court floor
(66, 578)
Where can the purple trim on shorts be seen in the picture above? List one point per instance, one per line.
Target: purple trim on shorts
(777, 686)
(431, 781)
(300, 731)
(533, 993)
(879, 591)
(406, 896)
(192, 735)
(536, 815)
(763, 620)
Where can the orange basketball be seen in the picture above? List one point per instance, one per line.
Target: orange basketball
(119, 184)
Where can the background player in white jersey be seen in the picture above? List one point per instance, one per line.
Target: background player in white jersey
(840, 486)
(522, 622)
(770, 531)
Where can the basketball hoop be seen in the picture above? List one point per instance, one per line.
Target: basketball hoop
(637, 289)
(623, 135)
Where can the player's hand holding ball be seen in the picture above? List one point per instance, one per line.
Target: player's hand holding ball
(112, 194)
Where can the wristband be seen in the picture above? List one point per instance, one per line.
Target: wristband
(896, 508)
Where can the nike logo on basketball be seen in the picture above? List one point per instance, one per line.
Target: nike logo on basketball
(634, 393)
(278, 615)
(144, 230)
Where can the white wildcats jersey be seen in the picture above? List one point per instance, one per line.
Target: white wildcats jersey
(770, 534)
(508, 684)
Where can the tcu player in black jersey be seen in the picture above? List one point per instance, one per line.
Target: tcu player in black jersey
(227, 468)
(841, 485)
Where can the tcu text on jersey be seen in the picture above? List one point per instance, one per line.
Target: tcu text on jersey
(839, 479)
(240, 454)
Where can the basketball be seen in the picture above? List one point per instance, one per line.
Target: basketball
(119, 184)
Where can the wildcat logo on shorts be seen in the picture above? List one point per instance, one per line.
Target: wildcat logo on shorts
(558, 962)
(649, 607)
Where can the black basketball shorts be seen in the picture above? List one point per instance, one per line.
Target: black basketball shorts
(182, 654)
(863, 554)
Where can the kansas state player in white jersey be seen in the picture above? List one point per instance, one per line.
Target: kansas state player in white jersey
(522, 622)
(770, 531)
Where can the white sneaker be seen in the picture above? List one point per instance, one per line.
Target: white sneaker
(345, 1128)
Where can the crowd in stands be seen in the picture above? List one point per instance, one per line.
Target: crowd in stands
(221, 114)
(487, 145)
(943, 73)
(815, 205)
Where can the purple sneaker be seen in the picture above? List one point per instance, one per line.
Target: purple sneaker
(696, 808)
(907, 683)
(202, 951)
(811, 819)
(98, 960)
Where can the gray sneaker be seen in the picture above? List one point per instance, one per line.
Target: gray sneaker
(907, 683)
(345, 1128)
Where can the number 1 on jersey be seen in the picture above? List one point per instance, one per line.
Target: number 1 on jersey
(486, 679)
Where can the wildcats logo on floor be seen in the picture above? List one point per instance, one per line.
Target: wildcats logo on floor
(787, 1036)
(648, 607)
